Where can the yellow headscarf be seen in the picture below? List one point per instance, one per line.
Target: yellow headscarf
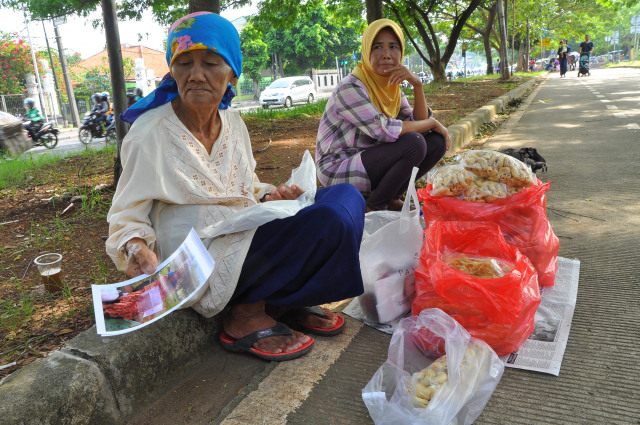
(385, 97)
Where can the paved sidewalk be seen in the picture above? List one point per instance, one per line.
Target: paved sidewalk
(588, 131)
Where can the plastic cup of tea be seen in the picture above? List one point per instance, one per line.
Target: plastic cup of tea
(50, 267)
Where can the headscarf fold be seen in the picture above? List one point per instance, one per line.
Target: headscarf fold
(200, 30)
(385, 97)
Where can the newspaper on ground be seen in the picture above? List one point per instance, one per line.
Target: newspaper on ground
(133, 304)
(544, 349)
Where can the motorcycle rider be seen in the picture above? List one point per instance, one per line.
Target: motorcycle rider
(109, 114)
(34, 116)
(134, 97)
(100, 109)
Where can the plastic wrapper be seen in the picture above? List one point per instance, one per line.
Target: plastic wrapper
(388, 258)
(476, 265)
(497, 167)
(500, 310)
(464, 373)
(522, 218)
(482, 190)
(450, 180)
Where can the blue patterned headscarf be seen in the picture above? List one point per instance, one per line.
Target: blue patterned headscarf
(200, 30)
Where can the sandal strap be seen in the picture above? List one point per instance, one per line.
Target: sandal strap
(299, 312)
(246, 342)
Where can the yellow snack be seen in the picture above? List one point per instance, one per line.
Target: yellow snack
(450, 180)
(482, 267)
(482, 190)
(498, 167)
(427, 382)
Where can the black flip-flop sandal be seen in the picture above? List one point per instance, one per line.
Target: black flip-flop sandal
(244, 344)
(292, 318)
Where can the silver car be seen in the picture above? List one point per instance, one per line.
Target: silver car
(286, 91)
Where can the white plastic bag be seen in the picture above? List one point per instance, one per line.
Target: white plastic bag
(256, 215)
(474, 371)
(389, 254)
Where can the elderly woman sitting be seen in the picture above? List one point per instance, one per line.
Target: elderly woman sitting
(187, 163)
(369, 136)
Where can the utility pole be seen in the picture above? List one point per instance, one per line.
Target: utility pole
(35, 66)
(118, 86)
(67, 81)
(55, 79)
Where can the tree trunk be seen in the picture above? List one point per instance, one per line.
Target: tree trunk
(502, 25)
(438, 71)
(256, 89)
(204, 6)
(118, 86)
(486, 38)
(279, 65)
(374, 10)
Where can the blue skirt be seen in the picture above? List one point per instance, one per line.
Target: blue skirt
(310, 258)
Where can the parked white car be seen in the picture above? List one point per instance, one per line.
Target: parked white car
(286, 91)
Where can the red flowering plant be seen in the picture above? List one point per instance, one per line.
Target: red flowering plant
(15, 63)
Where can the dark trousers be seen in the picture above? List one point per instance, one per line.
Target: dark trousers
(310, 258)
(389, 165)
(563, 66)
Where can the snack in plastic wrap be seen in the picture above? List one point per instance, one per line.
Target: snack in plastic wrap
(497, 167)
(522, 218)
(482, 190)
(424, 384)
(412, 388)
(500, 311)
(482, 267)
(450, 180)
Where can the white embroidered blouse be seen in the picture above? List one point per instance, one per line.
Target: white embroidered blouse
(170, 184)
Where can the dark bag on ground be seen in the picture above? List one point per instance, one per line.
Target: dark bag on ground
(529, 156)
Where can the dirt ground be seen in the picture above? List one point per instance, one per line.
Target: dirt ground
(36, 217)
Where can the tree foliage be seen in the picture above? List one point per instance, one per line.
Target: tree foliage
(15, 63)
(254, 55)
(309, 35)
(437, 24)
(165, 12)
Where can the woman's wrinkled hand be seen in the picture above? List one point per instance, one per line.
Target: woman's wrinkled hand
(283, 192)
(141, 259)
(399, 73)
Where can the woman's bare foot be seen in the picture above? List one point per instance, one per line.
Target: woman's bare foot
(395, 205)
(313, 321)
(244, 319)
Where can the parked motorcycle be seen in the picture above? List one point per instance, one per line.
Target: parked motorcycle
(46, 135)
(91, 129)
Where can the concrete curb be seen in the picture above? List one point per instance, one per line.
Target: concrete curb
(465, 130)
(103, 380)
(106, 380)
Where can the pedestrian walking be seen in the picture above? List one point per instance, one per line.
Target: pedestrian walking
(563, 52)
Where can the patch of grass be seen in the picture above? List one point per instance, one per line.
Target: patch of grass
(623, 63)
(296, 112)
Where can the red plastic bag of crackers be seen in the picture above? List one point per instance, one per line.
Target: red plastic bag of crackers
(522, 217)
(469, 271)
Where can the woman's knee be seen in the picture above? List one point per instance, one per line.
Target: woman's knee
(340, 207)
(414, 145)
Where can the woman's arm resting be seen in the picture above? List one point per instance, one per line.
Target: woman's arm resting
(422, 126)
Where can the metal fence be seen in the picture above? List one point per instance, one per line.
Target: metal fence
(247, 86)
(14, 104)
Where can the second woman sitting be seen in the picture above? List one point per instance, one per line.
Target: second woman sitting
(369, 136)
